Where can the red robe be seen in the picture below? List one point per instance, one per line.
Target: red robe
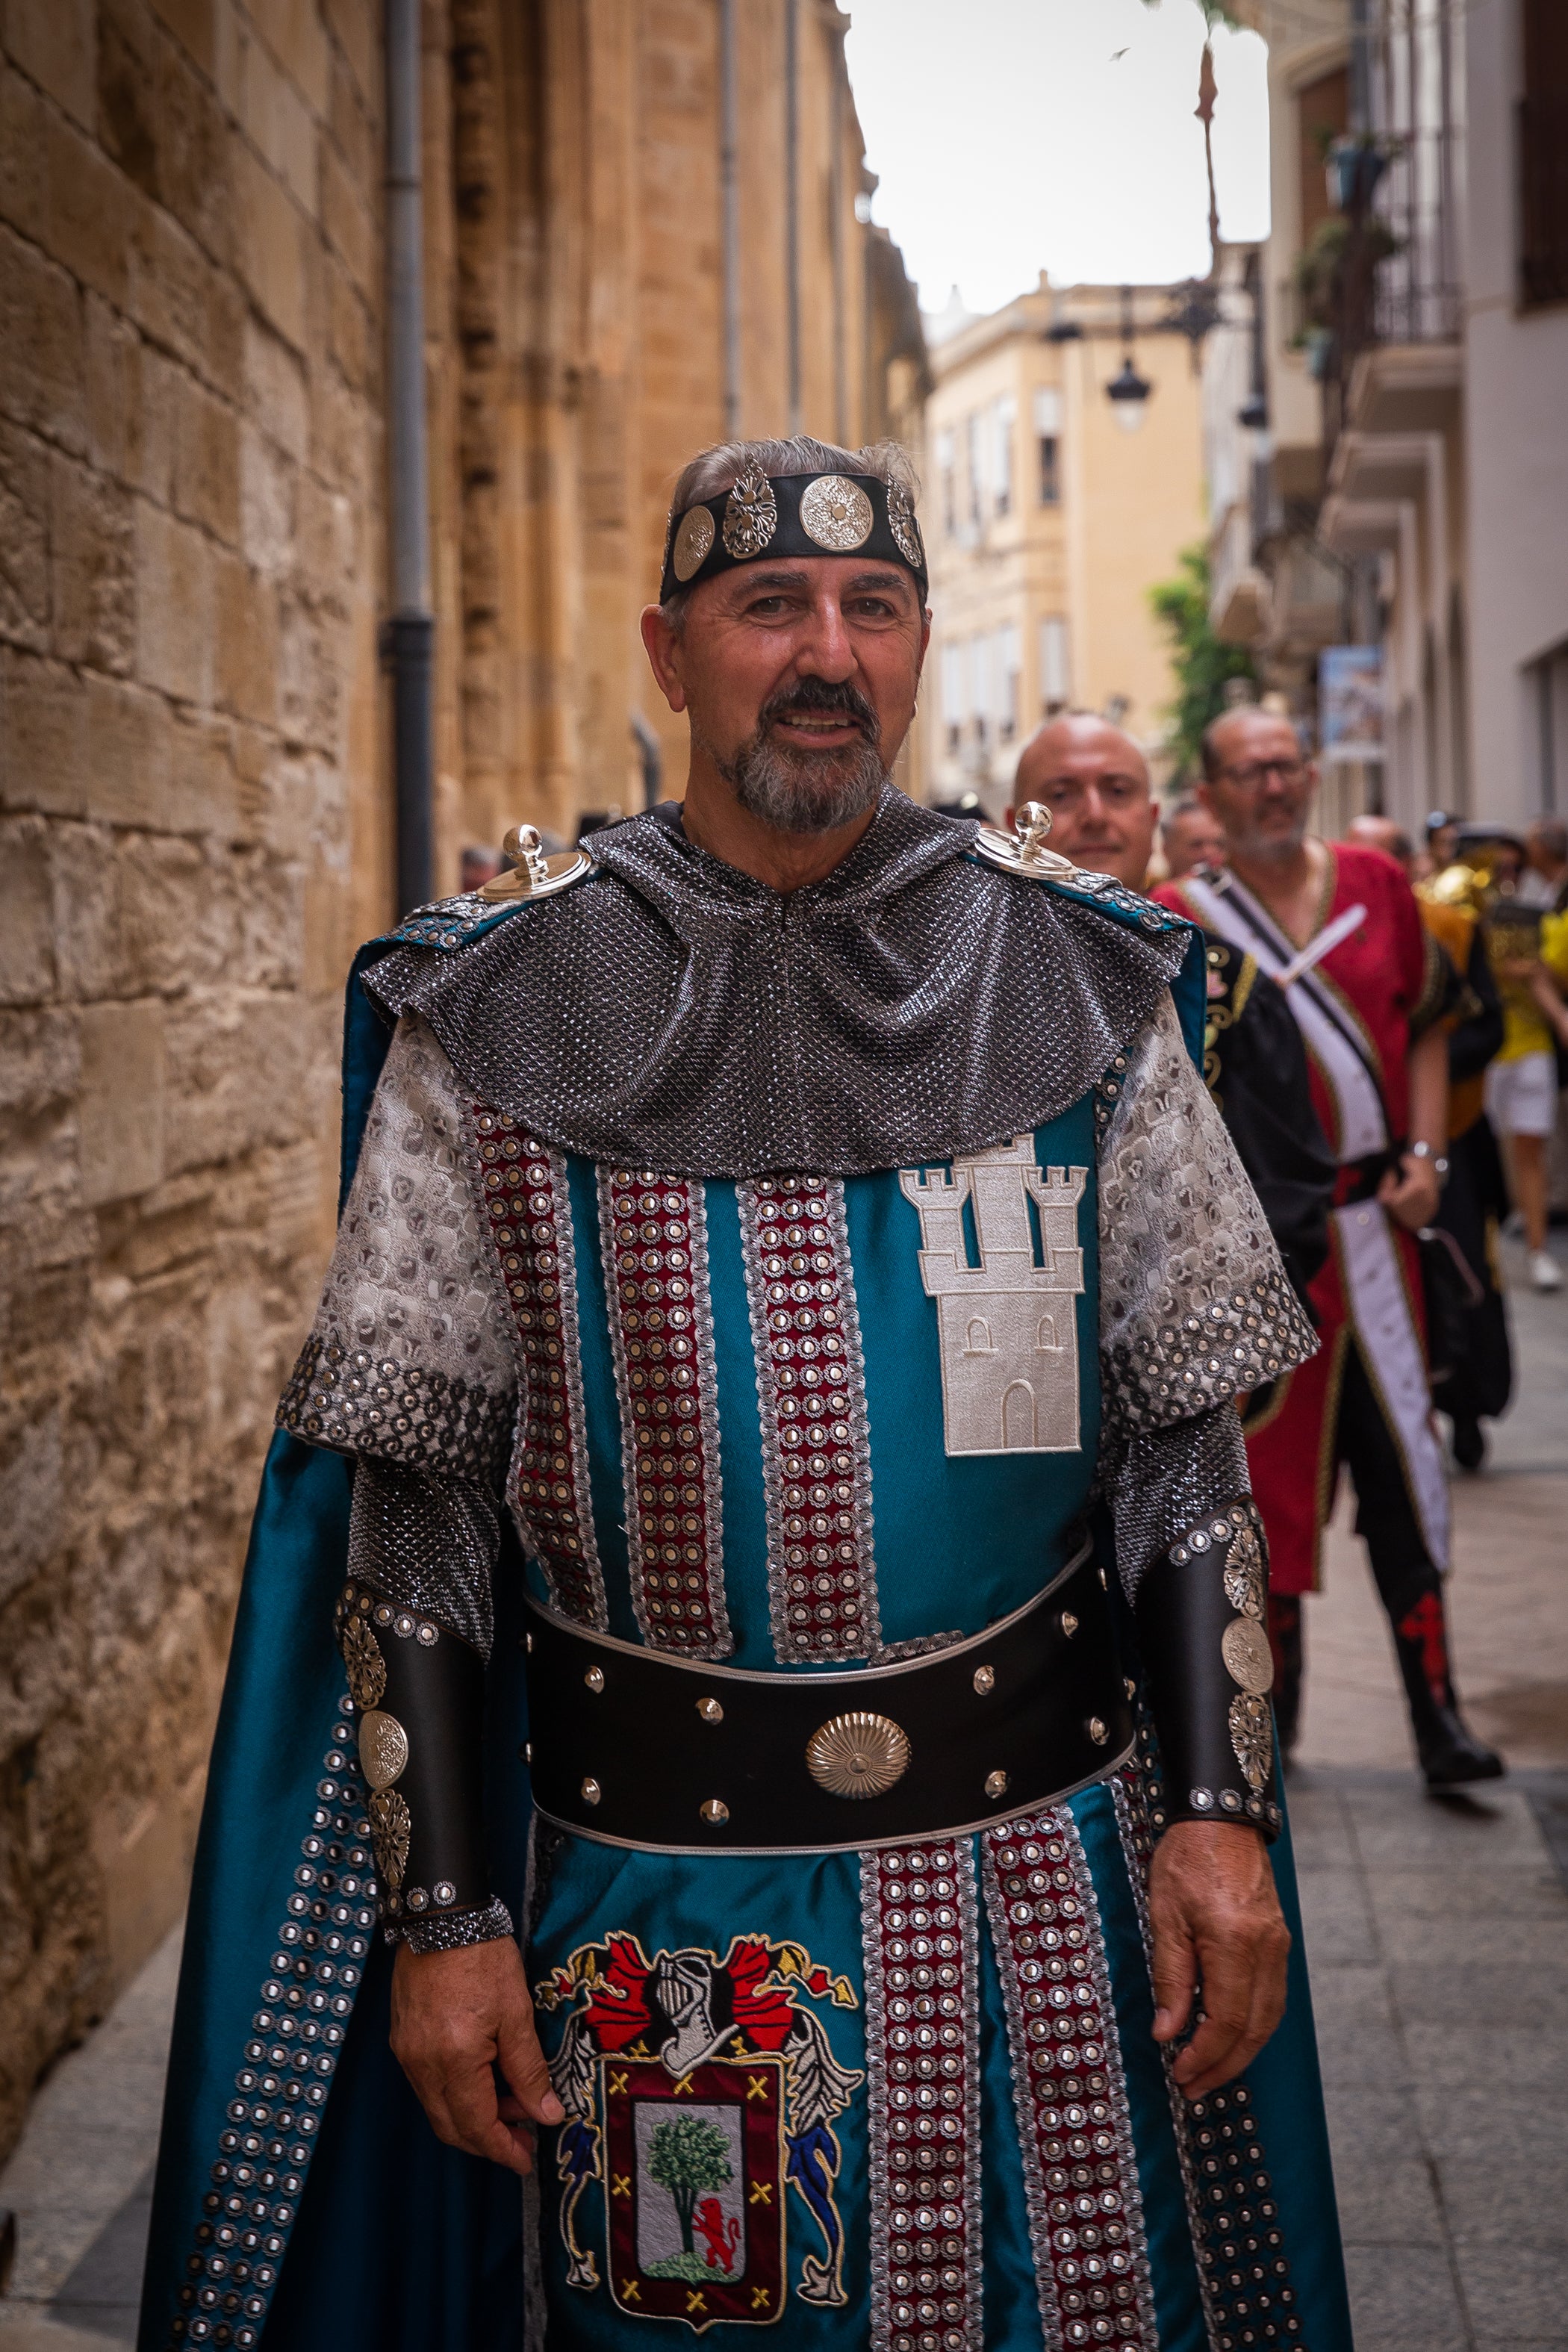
(1384, 975)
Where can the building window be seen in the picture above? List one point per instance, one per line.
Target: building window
(1003, 420)
(1543, 156)
(1048, 442)
(947, 470)
(1053, 679)
(1005, 676)
(974, 451)
(954, 693)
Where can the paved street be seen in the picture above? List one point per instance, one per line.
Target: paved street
(1438, 1935)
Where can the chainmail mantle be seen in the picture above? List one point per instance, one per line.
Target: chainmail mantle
(673, 1012)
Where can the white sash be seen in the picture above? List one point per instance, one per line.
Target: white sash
(1380, 1312)
(1359, 1122)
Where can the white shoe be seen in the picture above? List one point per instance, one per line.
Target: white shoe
(1545, 1274)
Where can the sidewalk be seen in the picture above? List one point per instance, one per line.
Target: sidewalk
(1437, 1933)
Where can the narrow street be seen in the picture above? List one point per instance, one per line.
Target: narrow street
(1437, 1932)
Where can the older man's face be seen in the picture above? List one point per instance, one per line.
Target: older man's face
(1264, 789)
(1093, 779)
(799, 679)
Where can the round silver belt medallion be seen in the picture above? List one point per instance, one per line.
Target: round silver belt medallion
(857, 1755)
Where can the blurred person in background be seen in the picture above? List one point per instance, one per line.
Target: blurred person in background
(1467, 1327)
(1544, 882)
(1527, 946)
(1094, 781)
(1441, 843)
(1334, 922)
(1189, 838)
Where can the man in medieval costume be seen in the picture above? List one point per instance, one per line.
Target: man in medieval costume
(752, 1673)
(1337, 926)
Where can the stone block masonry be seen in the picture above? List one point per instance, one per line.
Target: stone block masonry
(189, 756)
(195, 788)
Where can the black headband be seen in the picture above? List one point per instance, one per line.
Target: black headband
(792, 514)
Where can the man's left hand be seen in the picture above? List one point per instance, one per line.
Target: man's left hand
(1216, 1916)
(1411, 1192)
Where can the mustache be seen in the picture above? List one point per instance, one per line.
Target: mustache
(835, 697)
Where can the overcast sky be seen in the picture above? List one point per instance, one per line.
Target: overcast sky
(1011, 137)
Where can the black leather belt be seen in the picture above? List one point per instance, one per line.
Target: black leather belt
(636, 1748)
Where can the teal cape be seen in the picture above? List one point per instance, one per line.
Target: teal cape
(371, 2231)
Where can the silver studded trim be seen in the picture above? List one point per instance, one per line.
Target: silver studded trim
(352, 1401)
(1075, 2131)
(920, 1946)
(653, 1234)
(264, 2147)
(811, 1390)
(1233, 2218)
(524, 1189)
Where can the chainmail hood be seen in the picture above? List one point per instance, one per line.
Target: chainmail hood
(673, 1013)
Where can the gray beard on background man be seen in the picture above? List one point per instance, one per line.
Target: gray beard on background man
(808, 791)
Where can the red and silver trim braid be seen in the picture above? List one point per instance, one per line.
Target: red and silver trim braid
(1233, 2215)
(922, 2060)
(1080, 2171)
(811, 1387)
(523, 1184)
(654, 1238)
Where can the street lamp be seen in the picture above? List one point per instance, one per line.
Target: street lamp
(1129, 394)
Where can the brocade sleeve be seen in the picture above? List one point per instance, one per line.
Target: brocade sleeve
(408, 1369)
(1195, 1311)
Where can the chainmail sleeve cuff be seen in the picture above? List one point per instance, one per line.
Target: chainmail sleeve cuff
(1163, 1481)
(450, 1934)
(1207, 1670)
(427, 1545)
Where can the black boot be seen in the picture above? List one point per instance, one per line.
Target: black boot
(1284, 1641)
(1451, 1755)
(1470, 1442)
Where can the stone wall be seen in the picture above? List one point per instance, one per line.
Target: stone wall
(190, 836)
(196, 802)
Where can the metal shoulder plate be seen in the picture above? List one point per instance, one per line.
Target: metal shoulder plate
(1024, 851)
(453, 922)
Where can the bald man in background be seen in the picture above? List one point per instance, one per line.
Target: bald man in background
(1094, 779)
(1095, 782)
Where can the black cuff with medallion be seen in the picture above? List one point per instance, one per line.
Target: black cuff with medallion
(420, 1693)
(1200, 1614)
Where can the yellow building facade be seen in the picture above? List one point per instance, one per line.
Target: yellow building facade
(1048, 518)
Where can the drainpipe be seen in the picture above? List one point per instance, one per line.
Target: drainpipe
(652, 758)
(407, 637)
(1360, 69)
(729, 210)
(836, 219)
(792, 206)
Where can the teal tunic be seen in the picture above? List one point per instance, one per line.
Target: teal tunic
(906, 2099)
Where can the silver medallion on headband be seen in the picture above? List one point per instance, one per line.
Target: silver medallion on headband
(750, 515)
(836, 513)
(906, 530)
(692, 541)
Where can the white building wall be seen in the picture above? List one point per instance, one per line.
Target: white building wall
(1517, 451)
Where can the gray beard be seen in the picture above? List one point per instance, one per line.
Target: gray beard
(804, 791)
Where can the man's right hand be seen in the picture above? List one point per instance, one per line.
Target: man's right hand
(455, 2017)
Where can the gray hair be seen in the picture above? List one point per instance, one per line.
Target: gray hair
(721, 467)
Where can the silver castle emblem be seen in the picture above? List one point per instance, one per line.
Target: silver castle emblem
(1008, 1326)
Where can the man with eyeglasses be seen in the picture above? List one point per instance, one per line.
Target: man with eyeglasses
(1094, 781)
(1338, 926)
